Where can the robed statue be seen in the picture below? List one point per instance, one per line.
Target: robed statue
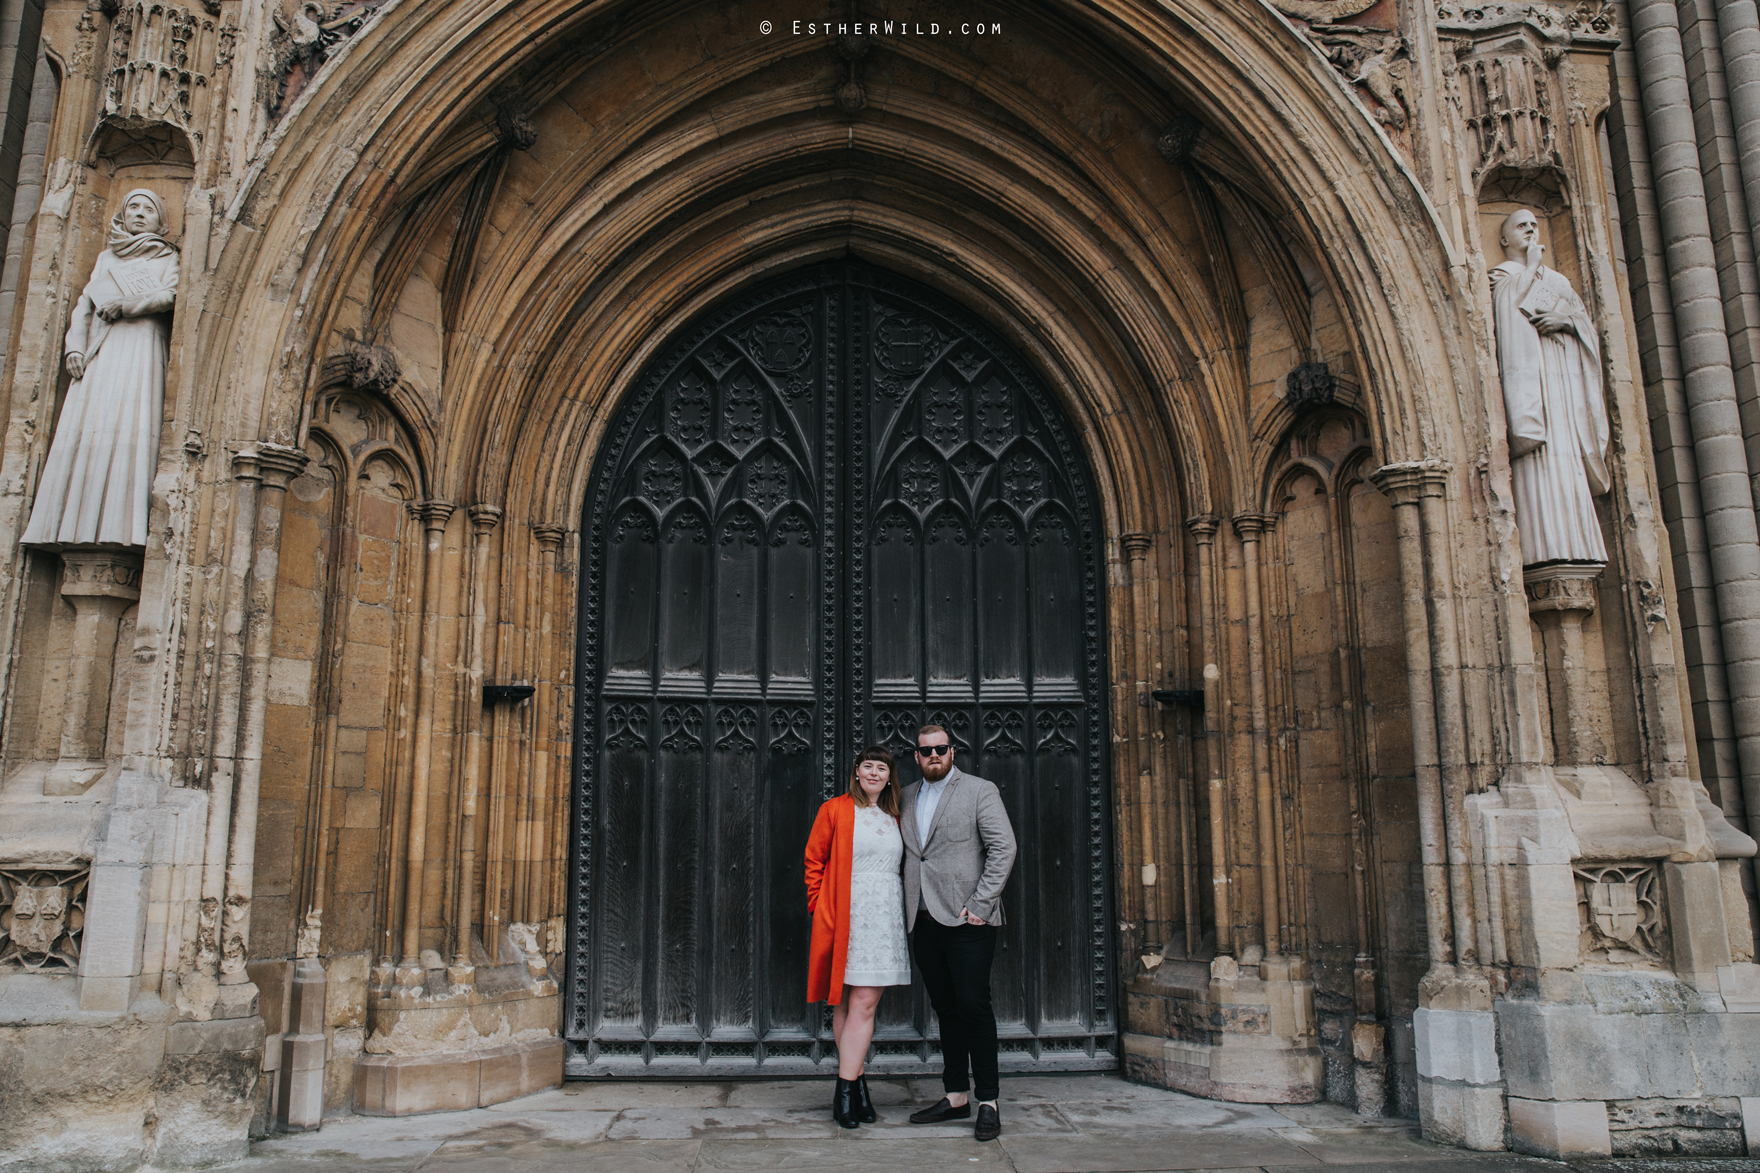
(1558, 431)
(98, 479)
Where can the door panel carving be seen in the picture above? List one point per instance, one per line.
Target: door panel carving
(835, 510)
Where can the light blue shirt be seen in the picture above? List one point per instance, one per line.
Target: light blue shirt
(928, 798)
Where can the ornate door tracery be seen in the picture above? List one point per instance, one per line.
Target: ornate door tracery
(834, 510)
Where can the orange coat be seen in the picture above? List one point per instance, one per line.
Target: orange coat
(830, 857)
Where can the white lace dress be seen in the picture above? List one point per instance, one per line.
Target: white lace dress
(878, 955)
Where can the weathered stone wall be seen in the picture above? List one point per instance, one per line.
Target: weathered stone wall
(428, 248)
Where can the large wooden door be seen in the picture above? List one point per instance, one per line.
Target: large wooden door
(833, 510)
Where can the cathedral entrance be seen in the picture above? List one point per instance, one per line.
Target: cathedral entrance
(835, 509)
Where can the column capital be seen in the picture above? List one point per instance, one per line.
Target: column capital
(1135, 545)
(1204, 527)
(1248, 526)
(433, 513)
(484, 518)
(1406, 481)
(549, 534)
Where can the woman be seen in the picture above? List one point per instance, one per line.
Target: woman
(98, 478)
(857, 900)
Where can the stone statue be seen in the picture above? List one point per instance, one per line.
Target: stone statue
(1558, 430)
(98, 479)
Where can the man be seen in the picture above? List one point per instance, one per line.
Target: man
(958, 851)
(1559, 439)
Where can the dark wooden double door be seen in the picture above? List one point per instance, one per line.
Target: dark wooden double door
(835, 509)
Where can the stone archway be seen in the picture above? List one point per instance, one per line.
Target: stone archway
(835, 507)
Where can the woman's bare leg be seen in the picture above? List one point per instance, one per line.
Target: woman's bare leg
(859, 1004)
(839, 1015)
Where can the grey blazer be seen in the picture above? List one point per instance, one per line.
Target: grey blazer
(967, 856)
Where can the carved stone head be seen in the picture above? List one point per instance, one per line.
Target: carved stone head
(39, 919)
(42, 917)
(1521, 228)
(140, 213)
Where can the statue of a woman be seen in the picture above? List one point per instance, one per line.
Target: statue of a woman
(98, 479)
(1558, 432)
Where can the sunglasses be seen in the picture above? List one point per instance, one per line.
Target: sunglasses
(933, 751)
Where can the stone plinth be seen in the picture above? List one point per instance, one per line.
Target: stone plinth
(1226, 1032)
(447, 1081)
(444, 1044)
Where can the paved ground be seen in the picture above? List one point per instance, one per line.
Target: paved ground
(1070, 1124)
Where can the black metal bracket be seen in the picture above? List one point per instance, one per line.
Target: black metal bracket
(495, 694)
(1191, 698)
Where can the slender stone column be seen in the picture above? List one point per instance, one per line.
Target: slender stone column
(1136, 547)
(536, 906)
(1451, 721)
(101, 585)
(433, 516)
(484, 519)
(1709, 382)
(276, 465)
(1249, 527)
(1204, 527)
(555, 714)
(222, 764)
(1402, 484)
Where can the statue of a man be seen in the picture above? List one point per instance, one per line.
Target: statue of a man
(1558, 431)
(98, 479)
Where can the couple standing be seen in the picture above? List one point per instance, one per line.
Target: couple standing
(951, 834)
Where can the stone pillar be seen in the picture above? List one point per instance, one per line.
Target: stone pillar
(1560, 596)
(1249, 527)
(1204, 527)
(542, 883)
(484, 519)
(433, 515)
(1136, 547)
(277, 465)
(101, 584)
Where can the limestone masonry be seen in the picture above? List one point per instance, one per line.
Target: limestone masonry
(474, 473)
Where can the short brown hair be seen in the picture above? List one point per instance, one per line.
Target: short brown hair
(889, 798)
(928, 729)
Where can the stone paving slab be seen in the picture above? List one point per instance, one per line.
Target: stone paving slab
(646, 1156)
(870, 1155)
(1146, 1151)
(1051, 1124)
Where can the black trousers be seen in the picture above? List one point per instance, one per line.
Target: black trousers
(955, 964)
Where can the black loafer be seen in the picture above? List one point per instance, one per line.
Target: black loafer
(942, 1111)
(989, 1125)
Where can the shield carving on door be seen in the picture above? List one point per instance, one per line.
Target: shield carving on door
(834, 509)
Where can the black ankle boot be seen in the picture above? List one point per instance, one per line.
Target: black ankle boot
(864, 1106)
(843, 1106)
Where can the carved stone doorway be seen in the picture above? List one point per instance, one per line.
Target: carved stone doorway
(832, 510)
